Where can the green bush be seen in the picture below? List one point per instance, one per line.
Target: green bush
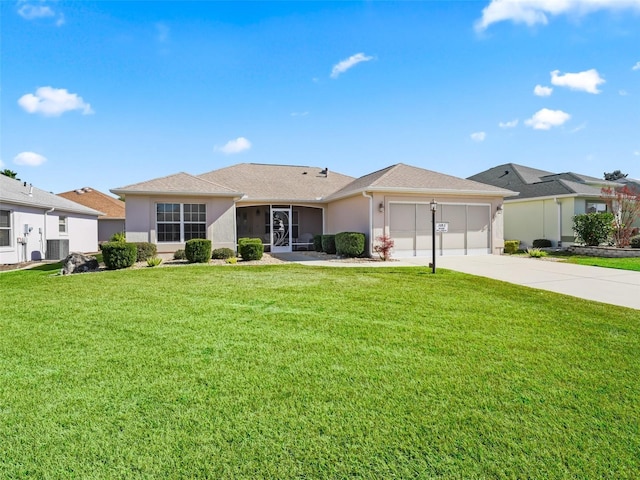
(592, 229)
(198, 250)
(116, 255)
(635, 241)
(222, 253)
(145, 250)
(251, 250)
(541, 243)
(317, 243)
(329, 243)
(243, 240)
(350, 244)
(536, 253)
(232, 260)
(153, 261)
(179, 255)
(118, 237)
(511, 246)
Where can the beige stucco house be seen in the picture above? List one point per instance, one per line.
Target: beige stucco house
(286, 205)
(112, 219)
(546, 202)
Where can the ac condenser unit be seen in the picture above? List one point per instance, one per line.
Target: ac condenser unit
(57, 249)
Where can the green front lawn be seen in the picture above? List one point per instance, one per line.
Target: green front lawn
(302, 372)
(621, 263)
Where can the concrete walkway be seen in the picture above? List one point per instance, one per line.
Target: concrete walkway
(607, 285)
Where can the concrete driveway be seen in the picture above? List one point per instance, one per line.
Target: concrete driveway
(607, 285)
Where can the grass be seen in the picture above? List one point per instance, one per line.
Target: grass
(620, 263)
(302, 372)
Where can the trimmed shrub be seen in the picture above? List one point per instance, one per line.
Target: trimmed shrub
(541, 243)
(222, 253)
(118, 237)
(243, 240)
(179, 255)
(329, 243)
(511, 246)
(350, 244)
(317, 243)
(198, 250)
(117, 255)
(635, 241)
(251, 250)
(146, 250)
(592, 229)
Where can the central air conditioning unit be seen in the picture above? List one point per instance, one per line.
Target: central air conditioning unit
(57, 249)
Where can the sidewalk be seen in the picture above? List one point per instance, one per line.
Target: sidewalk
(607, 285)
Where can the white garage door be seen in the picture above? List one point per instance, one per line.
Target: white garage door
(468, 229)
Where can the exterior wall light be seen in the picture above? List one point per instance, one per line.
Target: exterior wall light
(381, 207)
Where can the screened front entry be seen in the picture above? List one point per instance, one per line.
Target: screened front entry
(468, 229)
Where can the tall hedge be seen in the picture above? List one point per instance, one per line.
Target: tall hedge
(350, 244)
(198, 250)
(329, 243)
(317, 243)
(116, 255)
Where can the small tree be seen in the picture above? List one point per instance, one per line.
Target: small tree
(624, 203)
(592, 229)
(383, 247)
(615, 175)
(9, 173)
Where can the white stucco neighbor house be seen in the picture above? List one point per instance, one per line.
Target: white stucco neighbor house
(285, 205)
(546, 202)
(37, 225)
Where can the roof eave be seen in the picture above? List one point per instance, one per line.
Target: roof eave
(118, 191)
(89, 211)
(425, 191)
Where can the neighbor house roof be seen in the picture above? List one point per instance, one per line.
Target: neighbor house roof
(409, 179)
(532, 183)
(261, 182)
(178, 184)
(89, 197)
(16, 192)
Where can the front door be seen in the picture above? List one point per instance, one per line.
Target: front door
(280, 230)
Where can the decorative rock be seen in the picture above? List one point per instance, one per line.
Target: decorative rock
(79, 263)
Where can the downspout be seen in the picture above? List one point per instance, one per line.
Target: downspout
(370, 197)
(559, 203)
(44, 241)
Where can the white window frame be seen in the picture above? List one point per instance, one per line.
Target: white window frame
(9, 228)
(181, 221)
(63, 225)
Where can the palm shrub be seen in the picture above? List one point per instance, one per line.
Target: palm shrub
(592, 229)
(118, 237)
(222, 253)
(250, 248)
(350, 244)
(198, 250)
(117, 255)
(536, 253)
(329, 243)
(145, 250)
(511, 246)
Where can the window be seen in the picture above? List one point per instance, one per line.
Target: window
(178, 222)
(62, 224)
(5, 228)
(596, 207)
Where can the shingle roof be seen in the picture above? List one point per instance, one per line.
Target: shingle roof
(178, 184)
(89, 197)
(262, 182)
(15, 192)
(401, 177)
(532, 183)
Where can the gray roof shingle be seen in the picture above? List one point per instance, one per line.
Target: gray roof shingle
(178, 184)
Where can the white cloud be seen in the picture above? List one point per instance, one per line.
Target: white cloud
(53, 102)
(345, 65)
(545, 119)
(238, 145)
(637, 153)
(299, 114)
(636, 66)
(586, 81)
(541, 91)
(511, 124)
(29, 11)
(29, 159)
(478, 136)
(579, 127)
(532, 12)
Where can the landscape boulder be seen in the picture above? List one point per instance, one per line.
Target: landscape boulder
(79, 263)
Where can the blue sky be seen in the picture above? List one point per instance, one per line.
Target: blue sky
(106, 94)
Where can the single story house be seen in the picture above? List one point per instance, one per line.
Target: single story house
(546, 202)
(112, 221)
(37, 225)
(285, 205)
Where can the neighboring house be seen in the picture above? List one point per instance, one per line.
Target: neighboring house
(36, 225)
(286, 205)
(546, 203)
(113, 219)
